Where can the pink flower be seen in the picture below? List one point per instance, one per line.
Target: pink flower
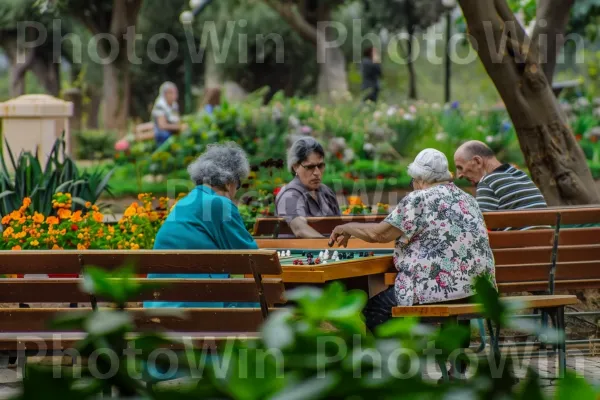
(443, 278)
(122, 145)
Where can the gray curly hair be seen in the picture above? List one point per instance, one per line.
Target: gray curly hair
(301, 150)
(219, 165)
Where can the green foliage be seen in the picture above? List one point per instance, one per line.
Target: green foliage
(94, 144)
(316, 348)
(27, 178)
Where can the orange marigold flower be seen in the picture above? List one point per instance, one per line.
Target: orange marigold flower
(38, 218)
(52, 220)
(16, 248)
(63, 213)
(56, 247)
(16, 215)
(98, 217)
(26, 202)
(355, 201)
(88, 204)
(8, 231)
(81, 246)
(130, 211)
(6, 219)
(76, 216)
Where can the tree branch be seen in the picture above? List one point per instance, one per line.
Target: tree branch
(295, 20)
(552, 18)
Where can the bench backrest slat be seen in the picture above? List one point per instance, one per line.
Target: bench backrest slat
(541, 255)
(324, 225)
(145, 261)
(493, 220)
(539, 272)
(68, 290)
(196, 320)
(540, 217)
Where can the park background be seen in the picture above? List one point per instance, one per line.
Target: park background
(266, 105)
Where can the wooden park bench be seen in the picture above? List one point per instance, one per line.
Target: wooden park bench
(533, 261)
(26, 330)
(144, 132)
(274, 227)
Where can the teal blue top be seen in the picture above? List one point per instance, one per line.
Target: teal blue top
(202, 220)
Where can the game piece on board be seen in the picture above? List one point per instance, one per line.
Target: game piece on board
(321, 254)
(288, 253)
(371, 254)
(318, 261)
(325, 262)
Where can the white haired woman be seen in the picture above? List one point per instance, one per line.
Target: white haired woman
(306, 195)
(207, 218)
(441, 239)
(165, 113)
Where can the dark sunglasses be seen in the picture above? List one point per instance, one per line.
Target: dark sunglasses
(311, 167)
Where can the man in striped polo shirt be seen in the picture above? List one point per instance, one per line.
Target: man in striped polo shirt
(500, 187)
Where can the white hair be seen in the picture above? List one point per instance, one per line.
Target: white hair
(219, 165)
(166, 86)
(430, 166)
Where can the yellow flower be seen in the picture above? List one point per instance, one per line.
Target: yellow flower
(108, 237)
(35, 243)
(16, 248)
(38, 218)
(8, 231)
(130, 211)
(80, 236)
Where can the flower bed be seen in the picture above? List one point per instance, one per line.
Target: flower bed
(26, 230)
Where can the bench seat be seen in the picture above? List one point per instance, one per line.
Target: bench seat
(470, 309)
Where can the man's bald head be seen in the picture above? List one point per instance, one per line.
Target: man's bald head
(474, 148)
(473, 160)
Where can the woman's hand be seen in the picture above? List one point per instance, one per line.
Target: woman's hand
(340, 236)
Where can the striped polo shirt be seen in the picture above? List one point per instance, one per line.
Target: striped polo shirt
(507, 188)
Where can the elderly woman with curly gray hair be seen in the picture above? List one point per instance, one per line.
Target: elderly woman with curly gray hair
(207, 218)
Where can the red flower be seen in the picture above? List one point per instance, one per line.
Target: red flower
(74, 227)
(578, 137)
(380, 177)
(276, 191)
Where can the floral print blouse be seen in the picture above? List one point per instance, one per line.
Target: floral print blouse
(444, 246)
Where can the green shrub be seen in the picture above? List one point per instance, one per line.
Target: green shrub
(94, 144)
(60, 174)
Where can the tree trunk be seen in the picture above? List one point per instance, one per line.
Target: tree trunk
(412, 74)
(556, 162)
(332, 82)
(93, 108)
(18, 69)
(116, 96)
(48, 74)
(117, 81)
(552, 18)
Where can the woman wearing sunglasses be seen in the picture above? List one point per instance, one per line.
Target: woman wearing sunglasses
(306, 195)
(207, 218)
